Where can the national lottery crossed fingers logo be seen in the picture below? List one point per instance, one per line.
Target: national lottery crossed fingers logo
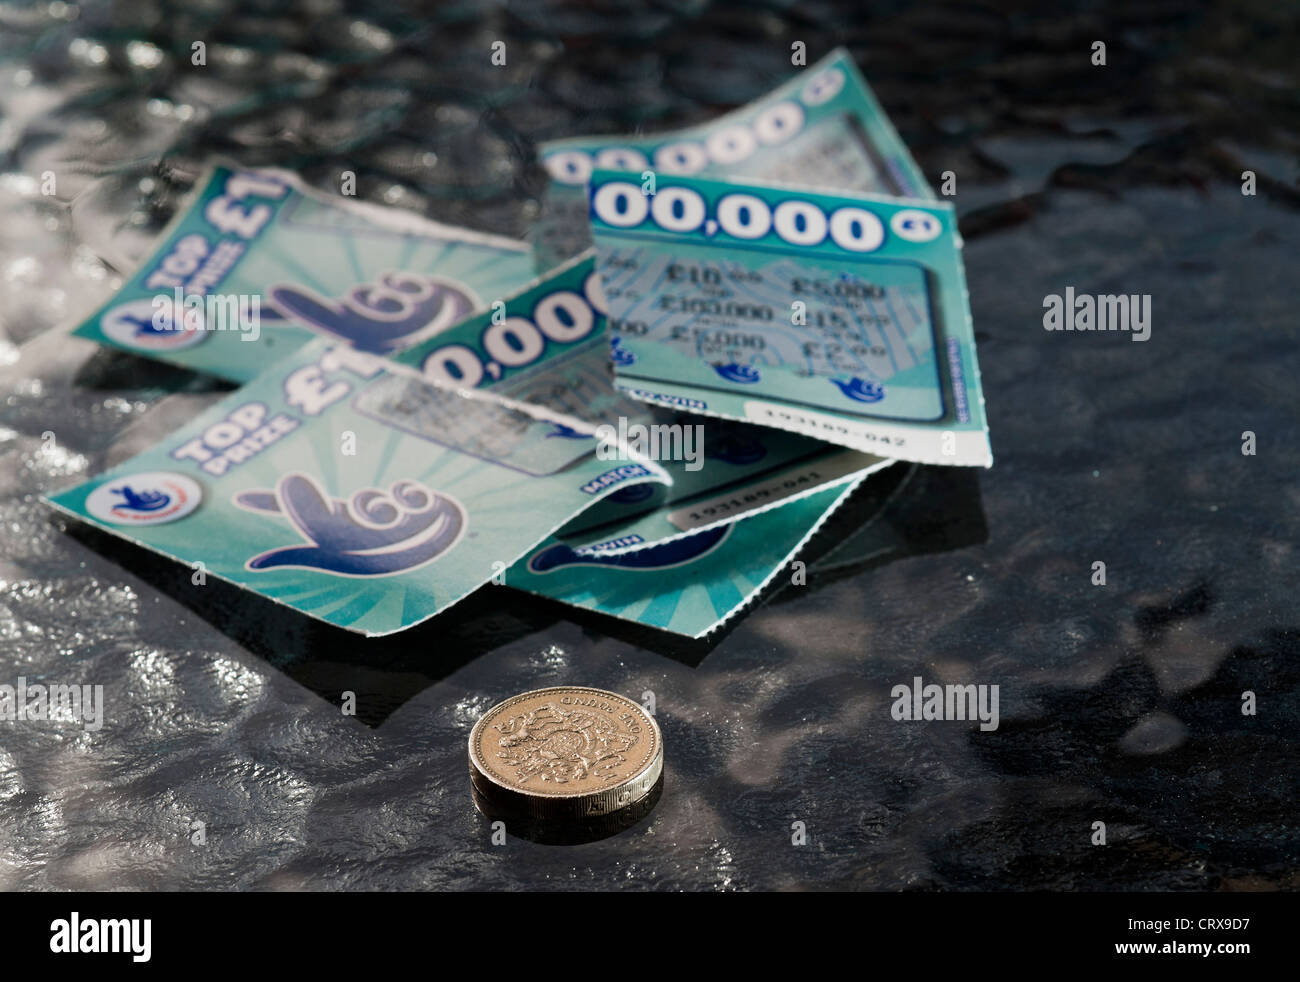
(147, 498)
(370, 533)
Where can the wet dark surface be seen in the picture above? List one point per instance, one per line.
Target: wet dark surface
(1119, 703)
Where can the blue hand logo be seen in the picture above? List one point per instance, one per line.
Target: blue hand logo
(374, 533)
(141, 501)
(733, 372)
(631, 495)
(378, 318)
(155, 323)
(566, 433)
(620, 354)
(861, 390)
(145, 326)
(736, 447)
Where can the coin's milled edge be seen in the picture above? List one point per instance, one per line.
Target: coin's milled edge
(608, 803)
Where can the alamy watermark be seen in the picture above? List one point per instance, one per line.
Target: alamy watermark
(102, 935)
(181, 311)
(55, 703)
(945, 702)
(653, 441)
(1106, 312)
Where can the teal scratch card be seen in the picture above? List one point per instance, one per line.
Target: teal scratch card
(824, 128)
(690, 586)
(354, 509)
(259, 264)
(546, 346)
(839, 316)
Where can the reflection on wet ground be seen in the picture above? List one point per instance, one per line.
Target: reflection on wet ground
(1120, 703)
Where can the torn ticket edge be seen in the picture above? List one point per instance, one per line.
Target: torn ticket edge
(371, 514)
(544, 350)
(691, 586)
(257, 263)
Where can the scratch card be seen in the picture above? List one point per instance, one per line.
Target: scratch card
(843, 317)
(365, 519)
(547, 347)
(690, 586)
(823, 128)
(259, 264)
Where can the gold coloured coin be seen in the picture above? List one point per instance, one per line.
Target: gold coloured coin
(567, 752)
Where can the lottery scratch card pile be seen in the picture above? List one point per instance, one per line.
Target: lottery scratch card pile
(734, 327)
